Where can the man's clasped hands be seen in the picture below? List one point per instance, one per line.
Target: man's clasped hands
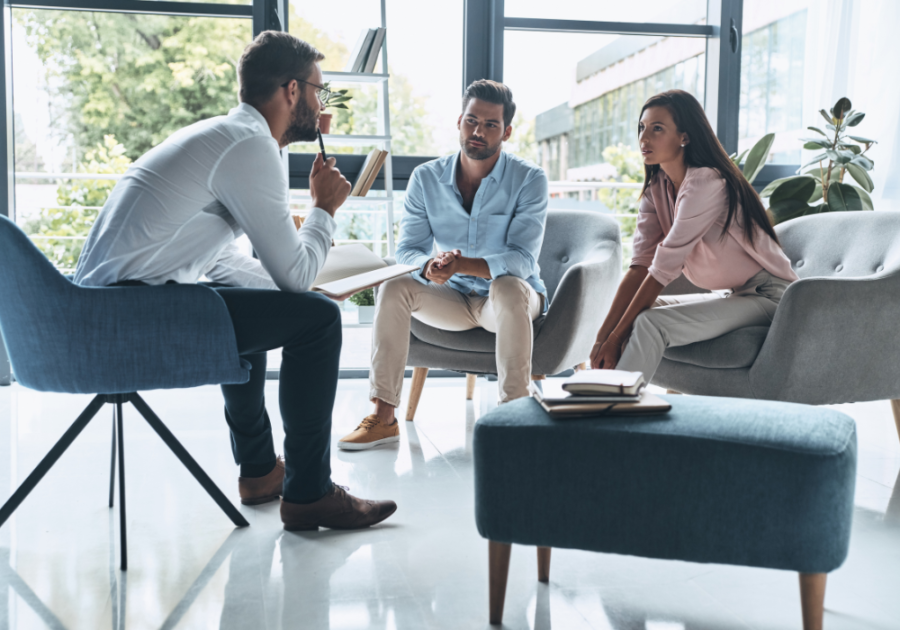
(444, 265)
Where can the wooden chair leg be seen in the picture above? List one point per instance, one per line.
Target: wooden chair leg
(812, 599)
(543, 564)
(498, 571)
(415, 392)
(470, 386)
(895, 407)
(581, 366)
(672, 391)
(538, 377)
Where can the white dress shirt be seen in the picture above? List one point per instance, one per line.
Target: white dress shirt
(176, 213)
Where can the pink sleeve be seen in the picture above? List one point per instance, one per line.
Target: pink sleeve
(702, 201)
(648, 233)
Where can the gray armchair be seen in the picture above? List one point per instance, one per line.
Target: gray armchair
(834, 338)
(581, 266)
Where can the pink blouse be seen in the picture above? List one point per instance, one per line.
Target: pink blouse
(684, 233)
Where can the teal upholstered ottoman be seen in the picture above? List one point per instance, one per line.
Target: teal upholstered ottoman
(723, 480)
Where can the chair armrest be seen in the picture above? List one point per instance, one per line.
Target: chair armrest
(833, 340)
(576, 313)
(127, 339)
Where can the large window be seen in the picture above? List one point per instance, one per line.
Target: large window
(95, 91)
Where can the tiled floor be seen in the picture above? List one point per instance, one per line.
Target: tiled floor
(426, 567)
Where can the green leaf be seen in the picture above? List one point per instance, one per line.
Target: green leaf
(816, 194)
(339, 106)
(737, 159)
(844, 198)
(855, 119)
(861, 176)
(839, 157)
(756, 159)
(852, 148)
(862, 140)
(827, 117)
(816, 160)
(788, 209)
(814, 144)
(841, 108)
(768, 190)
(794, 188)
(864, 161)
(817, 130)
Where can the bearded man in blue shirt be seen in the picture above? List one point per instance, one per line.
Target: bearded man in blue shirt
(484, 211)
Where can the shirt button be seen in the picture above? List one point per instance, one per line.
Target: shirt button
(564, 259)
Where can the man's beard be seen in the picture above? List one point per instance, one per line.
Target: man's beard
(304, 125)
(483, 153)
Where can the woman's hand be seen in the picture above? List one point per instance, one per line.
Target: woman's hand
(605, 355)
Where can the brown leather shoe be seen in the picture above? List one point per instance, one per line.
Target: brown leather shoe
(256, 490)
(336, 510)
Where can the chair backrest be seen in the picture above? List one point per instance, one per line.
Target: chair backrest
(843, 244)
(570, 237)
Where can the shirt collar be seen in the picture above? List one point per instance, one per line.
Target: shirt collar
(449, 175)
(254, 113)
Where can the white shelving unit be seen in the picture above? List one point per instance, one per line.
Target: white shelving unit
(382, 140)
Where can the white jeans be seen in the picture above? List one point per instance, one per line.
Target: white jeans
(679, 320)
(508, 311)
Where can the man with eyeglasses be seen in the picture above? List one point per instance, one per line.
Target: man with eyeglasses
(484, 211)
(174, 217)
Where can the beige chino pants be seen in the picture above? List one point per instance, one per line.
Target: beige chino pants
(679, 320)
(508, 311)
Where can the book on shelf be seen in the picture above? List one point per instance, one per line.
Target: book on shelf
(604, 382)
(352, 268)
(369, 171)
(361, 51)
(372, 58)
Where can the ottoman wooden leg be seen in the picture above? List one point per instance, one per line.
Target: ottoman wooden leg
(543, 564)
(812, 599)
(672, 391)
(498, 570)
(415, 391)
(895, 407)
(470, 386)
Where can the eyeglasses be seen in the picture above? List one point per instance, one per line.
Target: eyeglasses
(322, 92)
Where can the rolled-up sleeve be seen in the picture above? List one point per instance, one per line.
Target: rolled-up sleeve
(648, 235)
(702, 202)
(526, 231)
(416, 236)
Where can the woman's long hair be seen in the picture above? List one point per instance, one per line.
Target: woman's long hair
(704, 150)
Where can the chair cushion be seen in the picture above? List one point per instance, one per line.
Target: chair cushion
(475, 340)
(737, 349)
(722, 480)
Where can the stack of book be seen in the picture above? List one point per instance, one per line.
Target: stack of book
(365, 53)
(599, 393)
(368, 172)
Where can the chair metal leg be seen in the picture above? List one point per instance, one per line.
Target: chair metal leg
(50, 458)
(123, 542)
(112, 463)
(181, 453)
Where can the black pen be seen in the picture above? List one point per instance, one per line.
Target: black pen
(322, 145)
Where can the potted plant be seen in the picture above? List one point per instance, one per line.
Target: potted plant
(822, 187)
(365, 300)
(333, 98)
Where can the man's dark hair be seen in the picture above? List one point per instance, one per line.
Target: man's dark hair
(270, 60)
(492, 92)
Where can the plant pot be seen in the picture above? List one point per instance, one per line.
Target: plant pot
(325, 123)
(366, 314)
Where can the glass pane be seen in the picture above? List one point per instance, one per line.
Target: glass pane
(772, 78)
(95, 91)
(208, 1)
(654, 11)
(425, 68)
(580, 123)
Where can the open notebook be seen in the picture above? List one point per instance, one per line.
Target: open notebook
(352, 268)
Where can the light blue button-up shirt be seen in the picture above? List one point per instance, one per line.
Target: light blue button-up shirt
(505, 227)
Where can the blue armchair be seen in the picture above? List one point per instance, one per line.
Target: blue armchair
(112, 342)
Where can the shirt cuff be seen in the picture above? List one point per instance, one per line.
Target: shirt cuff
(658, 275)
(496, 265)
(322, 219)
(421, 260)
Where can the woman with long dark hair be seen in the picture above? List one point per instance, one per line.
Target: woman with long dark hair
(699, 216)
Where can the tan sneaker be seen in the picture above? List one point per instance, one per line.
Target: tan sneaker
(256, 490)
(336, 510)
(370, 433)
